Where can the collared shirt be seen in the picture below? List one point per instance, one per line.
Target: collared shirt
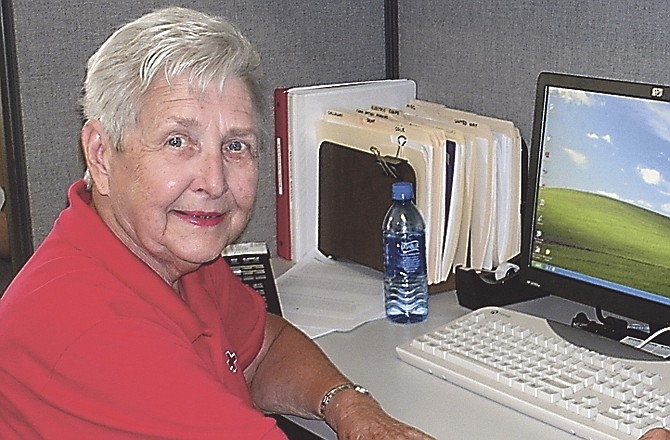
(95, 345)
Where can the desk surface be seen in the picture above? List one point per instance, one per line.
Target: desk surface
(367, 356)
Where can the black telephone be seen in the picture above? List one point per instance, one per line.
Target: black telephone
(251, 263)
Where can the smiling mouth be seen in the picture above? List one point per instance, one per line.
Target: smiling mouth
(201, 218)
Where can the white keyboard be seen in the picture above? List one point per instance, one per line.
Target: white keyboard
(519, 361)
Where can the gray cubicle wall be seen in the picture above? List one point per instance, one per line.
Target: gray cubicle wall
(301, 42)
(484, 56)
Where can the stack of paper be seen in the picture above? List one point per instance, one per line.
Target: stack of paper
(496, 180)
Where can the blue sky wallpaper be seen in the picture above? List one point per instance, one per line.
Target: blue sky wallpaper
(610, 145)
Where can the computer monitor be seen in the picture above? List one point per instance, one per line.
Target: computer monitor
(597, 215)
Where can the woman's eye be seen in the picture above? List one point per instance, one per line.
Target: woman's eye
(236, 146)
(241, 150)
(176, 142)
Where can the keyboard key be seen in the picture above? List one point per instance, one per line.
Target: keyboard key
(473, 365)
(609, 419)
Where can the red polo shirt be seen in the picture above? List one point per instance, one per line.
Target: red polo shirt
(95, 345)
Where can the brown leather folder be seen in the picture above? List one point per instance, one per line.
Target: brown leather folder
(354, 196)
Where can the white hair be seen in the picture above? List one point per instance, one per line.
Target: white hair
(169, 42)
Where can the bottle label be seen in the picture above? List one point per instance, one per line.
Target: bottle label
(405, 254)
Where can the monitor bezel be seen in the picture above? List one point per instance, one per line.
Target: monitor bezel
(609, 300)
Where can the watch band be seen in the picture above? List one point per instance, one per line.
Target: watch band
(345, 386)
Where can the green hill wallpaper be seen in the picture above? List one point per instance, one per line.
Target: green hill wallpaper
(614, 240)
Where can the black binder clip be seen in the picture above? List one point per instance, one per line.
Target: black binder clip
(387, 163)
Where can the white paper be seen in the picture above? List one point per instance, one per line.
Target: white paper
(320, 295)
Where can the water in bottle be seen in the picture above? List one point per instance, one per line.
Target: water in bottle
(405, 274)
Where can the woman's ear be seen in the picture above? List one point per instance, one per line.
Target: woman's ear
(97, 151)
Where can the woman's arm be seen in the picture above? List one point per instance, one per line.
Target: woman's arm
(291, 375)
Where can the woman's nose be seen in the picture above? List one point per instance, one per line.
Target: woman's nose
(212, 176)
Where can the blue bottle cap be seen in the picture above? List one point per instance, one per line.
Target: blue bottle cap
(402, 191)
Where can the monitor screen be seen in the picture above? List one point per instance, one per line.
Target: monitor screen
(597, 218)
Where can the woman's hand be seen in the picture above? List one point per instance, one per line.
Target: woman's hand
(656, 434)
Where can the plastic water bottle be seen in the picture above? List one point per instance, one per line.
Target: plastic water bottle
(405, 275)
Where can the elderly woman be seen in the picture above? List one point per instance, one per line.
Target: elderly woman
(126, 323)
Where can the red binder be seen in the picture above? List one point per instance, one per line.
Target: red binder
(282, 174)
